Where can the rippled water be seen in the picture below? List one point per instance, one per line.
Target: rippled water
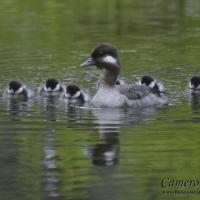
(53, 151)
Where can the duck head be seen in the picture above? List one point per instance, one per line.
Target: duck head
(147, 81)
(152, 83)
(15, 87)
(195, 82)
(72, 91)
(52, 85)
(105, 57)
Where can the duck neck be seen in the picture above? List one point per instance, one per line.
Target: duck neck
(108, 76)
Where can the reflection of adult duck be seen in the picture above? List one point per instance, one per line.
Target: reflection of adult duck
(109, 122)
(107, 152)
(105, 57)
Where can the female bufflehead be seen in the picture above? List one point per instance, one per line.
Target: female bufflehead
(73, 94)
(194, 83)
(51, 88)
(105, 57)
(16, 89)
(152, 83)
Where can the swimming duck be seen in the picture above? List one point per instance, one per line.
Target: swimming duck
(51, 88)
(16, 89)
(105, 58)
(73, 94)
(194, 83)
(152, 83)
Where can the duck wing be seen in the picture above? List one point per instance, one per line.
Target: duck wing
(133, 92)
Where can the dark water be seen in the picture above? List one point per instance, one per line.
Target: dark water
(51, 151)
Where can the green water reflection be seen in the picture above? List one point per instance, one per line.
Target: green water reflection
(53, 152)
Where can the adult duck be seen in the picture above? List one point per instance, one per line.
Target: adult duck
(105, 57)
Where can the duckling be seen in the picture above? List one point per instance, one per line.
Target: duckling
(51, 88)
(152, 83)
(105, 58)
(73, 94)
(17, 90)
(194, 83)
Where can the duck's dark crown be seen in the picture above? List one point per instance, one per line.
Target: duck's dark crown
(51, 83)
(72, 89)
(14, 85)
(195, 81)
(147, 80)
(104, 49)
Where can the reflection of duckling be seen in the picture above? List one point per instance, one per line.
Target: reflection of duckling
(195, 101)
(51, 88)
(73, 94)
(194, 85)
(17, 90)
(152, 83)
(105, 57)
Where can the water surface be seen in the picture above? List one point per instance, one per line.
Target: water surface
(51, 151)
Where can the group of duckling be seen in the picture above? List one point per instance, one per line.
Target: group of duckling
(111, 91)
(51, 88)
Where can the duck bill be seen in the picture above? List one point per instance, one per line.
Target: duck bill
(89, 62)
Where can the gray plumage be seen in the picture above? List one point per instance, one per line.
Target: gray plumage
(133, 92)
(105, 57)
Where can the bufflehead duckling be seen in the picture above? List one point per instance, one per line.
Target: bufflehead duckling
(51, 88)
(16, 89)
(105, 58)
(194, 83)
(73, 94)
(152, 83)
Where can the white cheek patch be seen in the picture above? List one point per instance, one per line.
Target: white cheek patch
(10, 91)
(45, 88)
(19, 90)
(109, 59)
(50, 90)
(138, 83)
(76, 95)
(191, 86)
(67, 95)
(160, 87)
(152, 84)
(56, 88)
